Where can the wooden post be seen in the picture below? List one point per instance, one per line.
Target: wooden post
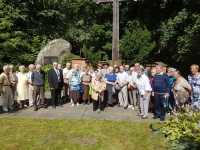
(115, 37)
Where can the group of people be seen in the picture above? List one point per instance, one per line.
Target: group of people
(124, 86)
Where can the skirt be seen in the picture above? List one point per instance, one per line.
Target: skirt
(86, 95)
(74, 94)
(109, 97)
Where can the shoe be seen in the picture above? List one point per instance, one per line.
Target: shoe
(84, 103)
(20, 106)
(118, 105)
(6, 110)
(102, 109)
(155, 117)
(60, 105)
(130, 106)
(77, 104)
(88, 103)
(140, 115)
(161, 119)
(126, 107)
(94, 110)
(35, 109)
(133, 108)
(25, 106)
(11, 108)
(72, 104)
(53, 106)
(144, 117)
(42, 106)
(30, 105)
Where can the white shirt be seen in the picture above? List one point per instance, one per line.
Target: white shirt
(143, 84)
(29, 75)
(122, 77)
(66, 73)
(133, 78)
(58, 73)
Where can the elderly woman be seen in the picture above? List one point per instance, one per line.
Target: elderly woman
(194, 80)
(181, 89)
(170, 103)
(116, 70)
(86, 80)
(109, 95)
(22, 86)
(98, 88)
(74, 82)
(144, 89)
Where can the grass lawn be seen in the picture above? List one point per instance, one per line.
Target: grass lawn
(67, 134)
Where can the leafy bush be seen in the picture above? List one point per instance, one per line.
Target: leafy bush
(67, 59)
(45, 68)
(183, 131)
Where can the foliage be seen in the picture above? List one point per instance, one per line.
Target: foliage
(67, 59)
(183, 131)
(85, 134)
(136, 45)
(46, 68)
(92, 57)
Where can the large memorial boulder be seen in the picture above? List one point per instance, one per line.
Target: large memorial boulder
(54, 51)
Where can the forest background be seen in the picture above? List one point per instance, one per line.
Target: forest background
(150, 30)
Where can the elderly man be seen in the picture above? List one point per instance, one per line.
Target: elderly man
(66, 75)
(82, 71)
(127, 69)
(161, 90)
(30, 91)
(5, 89)
(122, 81)
(38, 81)
(104, 71)
(60, 66)
(55, 78)
(13, 82)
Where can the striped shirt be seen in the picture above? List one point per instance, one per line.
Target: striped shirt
(161, 84)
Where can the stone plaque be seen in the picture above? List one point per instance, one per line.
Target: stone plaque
(50, 59)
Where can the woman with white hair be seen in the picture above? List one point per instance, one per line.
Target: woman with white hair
(109, 93)
(22, 86)
(144, 89)
(74, 83)
(98, 88)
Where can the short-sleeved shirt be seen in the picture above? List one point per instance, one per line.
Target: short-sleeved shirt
(122, 77)
(29, 75)
(5, 79)
(110, 77)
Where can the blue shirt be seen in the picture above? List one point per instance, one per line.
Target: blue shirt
(110, 77)
(122, 77)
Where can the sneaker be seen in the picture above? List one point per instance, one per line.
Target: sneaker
(77, 104)
(133, 108)
(72, 104)
(130, 106)
(20, 106)
(25, 106)
(5, 110)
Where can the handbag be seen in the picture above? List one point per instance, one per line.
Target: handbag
(117, 87)
(90, 90)
(80, 88)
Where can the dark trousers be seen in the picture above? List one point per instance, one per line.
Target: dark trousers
(160, 109)
(38, 91)
(66, 90)
(56, 95)
(97, 105)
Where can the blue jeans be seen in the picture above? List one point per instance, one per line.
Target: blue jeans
(160, 109)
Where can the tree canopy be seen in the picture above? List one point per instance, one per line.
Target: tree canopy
(150, 30)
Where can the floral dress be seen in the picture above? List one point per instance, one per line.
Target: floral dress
(195, 84)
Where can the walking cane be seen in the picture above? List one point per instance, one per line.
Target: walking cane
(99, 102)
(154, 130)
